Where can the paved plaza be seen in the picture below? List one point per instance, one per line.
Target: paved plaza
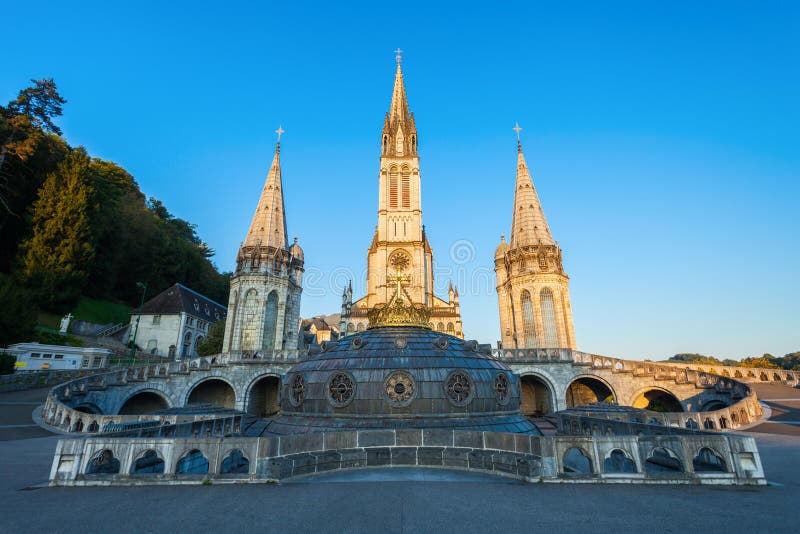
(397, 500)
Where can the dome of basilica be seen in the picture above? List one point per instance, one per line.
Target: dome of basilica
(401, 377)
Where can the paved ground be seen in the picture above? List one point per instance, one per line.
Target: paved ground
(381, 501)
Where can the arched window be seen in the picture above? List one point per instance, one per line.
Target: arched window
(406, 189)
(528, 329)
(248, 319)
(440, 327)
(270, 321)
(549, 318)
(361, 327)
(351, 327)
(187, 344)
(393, 187)
(450, 328)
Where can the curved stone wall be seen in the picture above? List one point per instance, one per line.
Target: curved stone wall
(686, 458)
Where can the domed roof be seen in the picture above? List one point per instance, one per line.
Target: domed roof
(401, 377)
(502, 248)
(295, 250)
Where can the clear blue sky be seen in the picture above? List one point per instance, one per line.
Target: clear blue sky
(663, 139)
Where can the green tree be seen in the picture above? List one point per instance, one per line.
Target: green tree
(213, 343)
(18, 312)
(7, 362)
(25, 121)
(59, 253)
(766, 361)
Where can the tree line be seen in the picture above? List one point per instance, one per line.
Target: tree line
(788, 362)
(72, 225)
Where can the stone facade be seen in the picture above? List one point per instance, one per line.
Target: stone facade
(264, 305)
(532, 287)
(399, 245)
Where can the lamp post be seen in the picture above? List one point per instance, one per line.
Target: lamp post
(139, 318)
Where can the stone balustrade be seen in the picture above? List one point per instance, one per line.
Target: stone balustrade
(696, 458)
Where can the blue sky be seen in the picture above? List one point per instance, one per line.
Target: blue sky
(663, 140)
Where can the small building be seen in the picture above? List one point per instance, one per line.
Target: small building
(318, 329)
(37, 356)
(175, 322)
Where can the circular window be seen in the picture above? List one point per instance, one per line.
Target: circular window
(297, 390)
(400, 388)
(357, 342)
(459, 388)
(502, 388)
(341, 389)
(400, 342)
(400, 261)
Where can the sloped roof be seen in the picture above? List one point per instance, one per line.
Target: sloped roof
(179, 298)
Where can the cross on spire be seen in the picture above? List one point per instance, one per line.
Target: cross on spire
(398, 55)
(517, 129)
(280, 131)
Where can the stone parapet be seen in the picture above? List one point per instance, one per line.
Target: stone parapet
(678, 458)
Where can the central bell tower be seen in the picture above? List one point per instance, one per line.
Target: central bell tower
(399, 244)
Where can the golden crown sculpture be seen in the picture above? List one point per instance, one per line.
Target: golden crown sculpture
(397, 313)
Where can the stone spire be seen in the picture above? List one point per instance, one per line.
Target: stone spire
(399, 131)
(268, 228)
(528, 225)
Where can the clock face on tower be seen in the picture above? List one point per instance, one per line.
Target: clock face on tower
(400, 260)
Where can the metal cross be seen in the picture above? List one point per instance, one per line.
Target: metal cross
(399, 278)
(517, 129)
(280, 131)
(398, 55)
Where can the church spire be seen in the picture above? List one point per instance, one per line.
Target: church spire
(399, 137)
(528, 224)
(269, 224)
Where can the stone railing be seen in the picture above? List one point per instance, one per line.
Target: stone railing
(35, 379)
(745, 374)
(533, 355)
(700, 458)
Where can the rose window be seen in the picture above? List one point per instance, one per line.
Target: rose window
(400, 388)
(400, 261)
(340, 389)
(502, 388)
(297, 390)
(459, 388)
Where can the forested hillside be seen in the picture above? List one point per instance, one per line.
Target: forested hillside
(72, 225)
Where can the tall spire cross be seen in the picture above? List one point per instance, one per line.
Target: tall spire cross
(517, 129)
(280, 131)
(398, 55)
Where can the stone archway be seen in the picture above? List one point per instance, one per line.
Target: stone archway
(143, 402)
(536, 396)
(588, 389)
(214, 391)
(657, 400)
(263, 397)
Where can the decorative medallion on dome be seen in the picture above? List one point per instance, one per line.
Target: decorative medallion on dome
(401, 388)
(357, 343)
(400, 342)
(341, 389)
(441, 342)
(297, 391)
(459, 388)
(502, 388)
(397, 312)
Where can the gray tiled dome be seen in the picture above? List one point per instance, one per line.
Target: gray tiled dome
(401, 377)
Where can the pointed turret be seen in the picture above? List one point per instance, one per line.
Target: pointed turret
(399, 137)
(528, 224)
(268, 228)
